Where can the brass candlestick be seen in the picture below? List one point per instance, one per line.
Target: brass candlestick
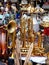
(39, 39)
(23, 32)
(30, 30)
(38, 49)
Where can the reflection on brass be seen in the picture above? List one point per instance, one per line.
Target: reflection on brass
(30, 30)
(26, 33)
(11, 28)
(28, 36)
(38, 49)
(39, 39)
(23, 32)
(11, 35)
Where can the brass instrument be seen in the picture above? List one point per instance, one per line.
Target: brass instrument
(11, 28)
(11, 36)
(7, 32)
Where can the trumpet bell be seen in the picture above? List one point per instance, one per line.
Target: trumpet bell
(11, 26)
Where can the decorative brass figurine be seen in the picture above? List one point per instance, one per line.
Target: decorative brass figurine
(23, 32)
(38, 49)
(28, 36)
(30, 30)
(26, 33)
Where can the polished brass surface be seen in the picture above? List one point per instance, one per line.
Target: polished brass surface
(30, 30)
(26, 34)
(23, 32)
(38, 48)
(39, 39)
(11, 27)
(11, 35)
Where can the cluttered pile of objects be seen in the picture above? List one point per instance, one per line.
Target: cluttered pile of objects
(24, 34)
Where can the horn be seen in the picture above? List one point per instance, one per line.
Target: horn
(11, 27)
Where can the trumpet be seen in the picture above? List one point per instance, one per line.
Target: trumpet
(11, 36)
(11, 27)
(11, 32)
